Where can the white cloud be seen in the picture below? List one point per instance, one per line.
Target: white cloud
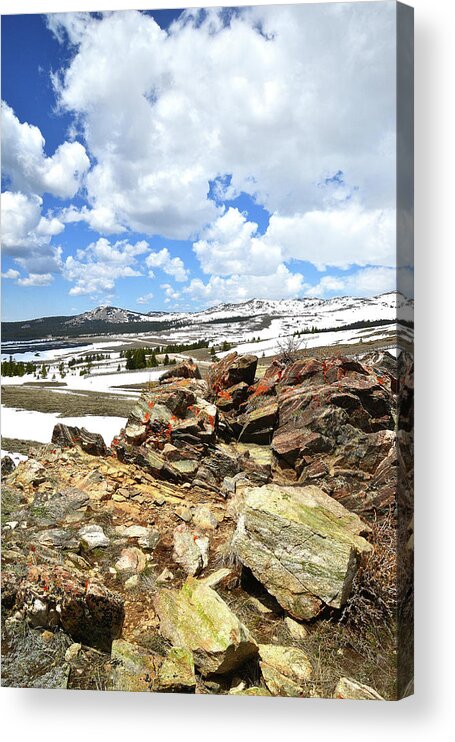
(11, 273)
(341, 237)
(99, 219)
(26, 234)
(172, 294)
(230, 246)
(279, 99)
(36, 279)
(146, 299)
(174, 267)
(237, 288)
(96, 268)
(25, 163)
(364, 282)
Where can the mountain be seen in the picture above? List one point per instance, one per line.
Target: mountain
(223, 319)
(111, 315)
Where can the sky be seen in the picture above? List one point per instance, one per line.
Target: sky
(178, 159)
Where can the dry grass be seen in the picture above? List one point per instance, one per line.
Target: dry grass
(66, 405)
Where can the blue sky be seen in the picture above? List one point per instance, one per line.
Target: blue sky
(175, 160)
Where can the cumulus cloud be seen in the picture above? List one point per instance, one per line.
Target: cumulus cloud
(36, 279)
(100, 219)
(26, 165)
(27, 234)
(237, 288)
(230, 246)
(11, 274)
(349, 235)
(171, 294)
(174, 267)
(146, 299)
(96, 268)
(365, 282)
(161, 127)
(339, 237)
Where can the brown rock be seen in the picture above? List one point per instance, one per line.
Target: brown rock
(66, 436)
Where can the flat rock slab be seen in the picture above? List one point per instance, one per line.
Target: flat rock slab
(301, 544)
(197, 618)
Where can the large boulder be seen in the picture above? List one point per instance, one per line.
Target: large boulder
(259, 423)
(68, 436)
(173, 414)
(232, 370)
(336, 421)
(185, 370)
(197, 618)
(29, 473)
(301, 544)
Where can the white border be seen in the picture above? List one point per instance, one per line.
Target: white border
(35, 714)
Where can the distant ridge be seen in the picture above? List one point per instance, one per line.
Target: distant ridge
(322, 313)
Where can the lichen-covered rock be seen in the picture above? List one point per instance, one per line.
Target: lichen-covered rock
(285, 669)
(204, 519)
(348, 688)
(92, 537)
(258, 425)
(232, 370)
(197, 618)
(176, 673)
(191, 550)
(184, 370)
(30, 472)
(135, 668)
(301, 545)
(67, 436)
(253, 690)
(85, 609)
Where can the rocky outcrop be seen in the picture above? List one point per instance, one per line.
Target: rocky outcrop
(197, 618)
(231, 371)
(184, 370)
(67, 436)
(301, 545)
(257, 489)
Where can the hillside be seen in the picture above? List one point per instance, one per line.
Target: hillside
(250, 316)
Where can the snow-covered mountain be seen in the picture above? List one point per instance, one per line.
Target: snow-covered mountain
(321, 313)
(113, 315)
(237, 323)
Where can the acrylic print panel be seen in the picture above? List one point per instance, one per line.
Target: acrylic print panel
(207, 351)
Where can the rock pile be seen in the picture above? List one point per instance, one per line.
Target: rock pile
(200, 551)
